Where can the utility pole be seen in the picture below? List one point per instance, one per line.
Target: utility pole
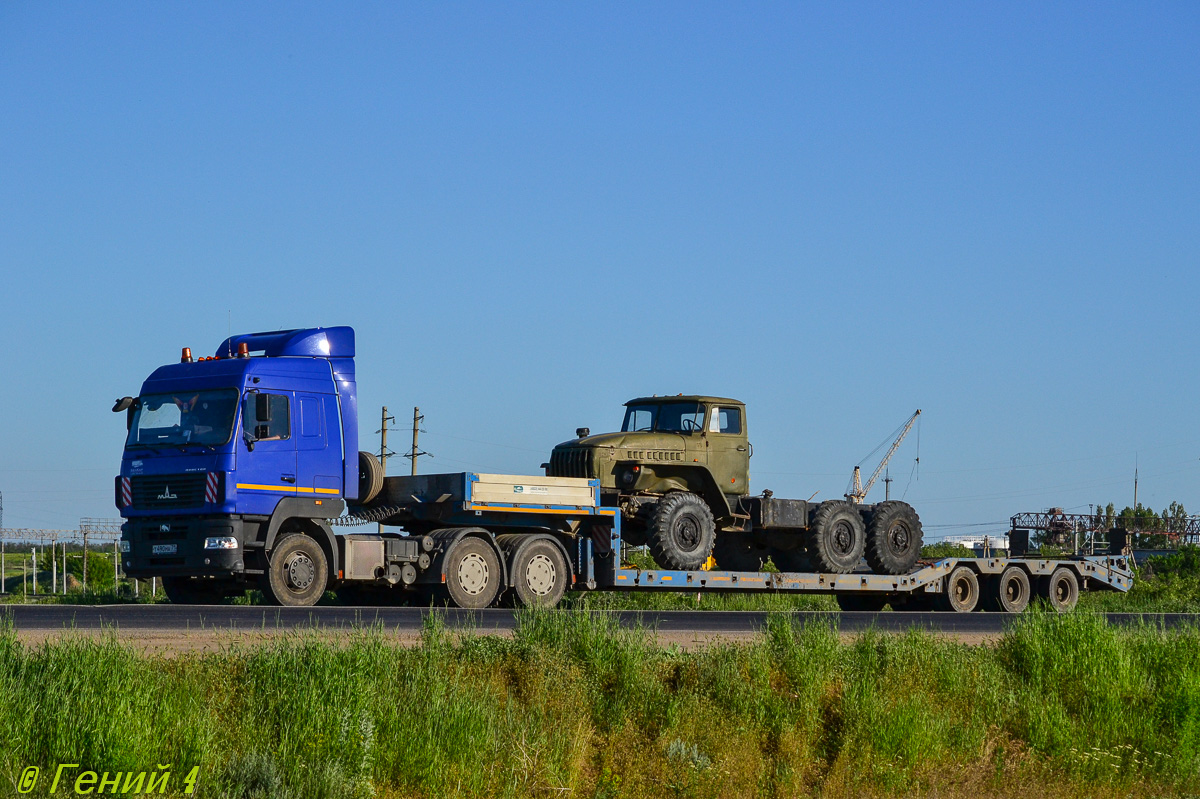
(416, 428)
(887, 485)
(383, 447)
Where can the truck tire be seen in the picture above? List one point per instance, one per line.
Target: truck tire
(370, 477)
(734, 552)
(297, 572)
(1009, 591)
(861, 601)
(962, 591)
(682, 532)
(473, 573)
(539, 574)
(893, 538)
(1060, 589)
(836, 537)
(193, 591)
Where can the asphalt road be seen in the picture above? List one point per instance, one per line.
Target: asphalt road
(184, 618)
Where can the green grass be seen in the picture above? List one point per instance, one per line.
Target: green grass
(573, 705)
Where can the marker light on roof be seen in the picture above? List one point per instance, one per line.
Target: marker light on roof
(187, 355)
(243, 350)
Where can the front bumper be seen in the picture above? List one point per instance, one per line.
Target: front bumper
(174, 546)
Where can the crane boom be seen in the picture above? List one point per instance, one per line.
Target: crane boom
(858, 491)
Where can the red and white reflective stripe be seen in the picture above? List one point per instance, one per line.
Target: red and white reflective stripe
(210, 488)
(126, 492)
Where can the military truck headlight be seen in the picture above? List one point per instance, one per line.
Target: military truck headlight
(221, 542)
(630, 475)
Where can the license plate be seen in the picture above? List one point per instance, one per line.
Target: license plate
(164, 549)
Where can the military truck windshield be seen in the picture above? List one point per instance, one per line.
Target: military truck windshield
(667, 417)
(188, 417)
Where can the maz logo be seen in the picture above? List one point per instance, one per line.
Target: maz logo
(166, 494)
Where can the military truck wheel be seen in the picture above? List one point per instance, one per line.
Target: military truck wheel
(893, 538)
(297, 572)
(193, 591)
(682, 532)
(962, 591)
(1061, 589)
(370, 477)
(473, 574)
(836, 537)
(539, 575)
(734, 553)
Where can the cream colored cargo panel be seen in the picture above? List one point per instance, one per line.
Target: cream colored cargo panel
(527, 490)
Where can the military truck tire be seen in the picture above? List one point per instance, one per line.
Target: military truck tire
(473, 574)
(962, 591)
(539, 575)
(193, 591)
(1060, 589)
(893, 538)
(836, 537)
(370, 477)
(682, 532)
(734, 553)
(297, 572)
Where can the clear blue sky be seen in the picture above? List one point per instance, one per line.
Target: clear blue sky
(532, 212)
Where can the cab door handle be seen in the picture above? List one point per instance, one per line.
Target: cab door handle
(741, 449)
(288, 478)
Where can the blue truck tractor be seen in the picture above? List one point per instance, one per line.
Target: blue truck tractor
(241, 470)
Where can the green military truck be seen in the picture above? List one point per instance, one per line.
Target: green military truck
(679, 471)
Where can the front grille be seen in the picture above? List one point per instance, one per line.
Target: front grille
(154, 491)
(571, 462)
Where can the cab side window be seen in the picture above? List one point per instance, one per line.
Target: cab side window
(278, 427)
(729, 420)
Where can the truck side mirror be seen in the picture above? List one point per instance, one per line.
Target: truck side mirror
(262, 409)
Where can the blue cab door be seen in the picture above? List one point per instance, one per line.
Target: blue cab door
(319, 454)
(267, 473)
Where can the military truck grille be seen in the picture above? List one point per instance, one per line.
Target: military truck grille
(571, 463)
(153, 491)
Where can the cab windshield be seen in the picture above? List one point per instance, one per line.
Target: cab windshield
(187, 417)
(665, 417)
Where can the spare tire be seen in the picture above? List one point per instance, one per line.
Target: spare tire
(370, 477)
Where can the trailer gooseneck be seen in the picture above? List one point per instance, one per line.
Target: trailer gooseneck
(239, 466)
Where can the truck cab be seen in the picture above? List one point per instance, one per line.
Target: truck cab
(226, 453)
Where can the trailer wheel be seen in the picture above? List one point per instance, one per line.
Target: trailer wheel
(893, 538)
(836, 537)
(962, 591)
(370, 477)
(1060, 589)
(297, 572)
(473, 574)
(540, 574)
(683, 531)
(193, 591)
(1009, 591)
(734, 552)
(869, 602)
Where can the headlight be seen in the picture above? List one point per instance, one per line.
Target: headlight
(221, 542)
(124, 545)
(630, 475)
